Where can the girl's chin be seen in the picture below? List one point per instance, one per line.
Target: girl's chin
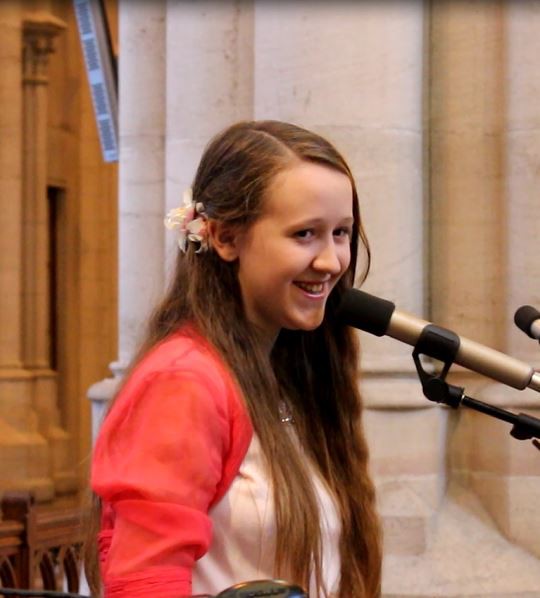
(306, 326)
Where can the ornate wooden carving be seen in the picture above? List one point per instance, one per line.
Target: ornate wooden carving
(39, 548)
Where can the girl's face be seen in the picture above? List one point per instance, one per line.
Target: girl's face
(291, 257)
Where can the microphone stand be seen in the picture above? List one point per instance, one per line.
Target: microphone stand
(443, 344)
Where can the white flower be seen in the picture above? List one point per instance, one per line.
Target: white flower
(190, 220)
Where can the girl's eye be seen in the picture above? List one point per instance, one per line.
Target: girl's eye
(304, 234)
(344, 231)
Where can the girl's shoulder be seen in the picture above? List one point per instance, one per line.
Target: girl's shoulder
(184, 351)
(184, 355)
(176, 432)
(182, 364)
(181, 379)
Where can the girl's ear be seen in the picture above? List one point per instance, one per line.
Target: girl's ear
(223, 239)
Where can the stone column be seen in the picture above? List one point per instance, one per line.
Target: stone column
(25, 463)
(522, 205)
(508, 479)
(209, 84)
(467, 193)
(354, 72)
(142, 34)
(466, 160)
(473, 192)
(39, 31)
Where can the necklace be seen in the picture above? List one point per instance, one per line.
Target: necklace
(285, 413)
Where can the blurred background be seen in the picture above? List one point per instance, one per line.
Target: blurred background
(435, 104)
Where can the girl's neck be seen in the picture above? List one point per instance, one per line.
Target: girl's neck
(266, 339)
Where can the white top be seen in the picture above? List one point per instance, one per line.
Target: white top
(243, 542)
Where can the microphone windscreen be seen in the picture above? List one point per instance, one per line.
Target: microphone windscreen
(524, 317)
(365, 311)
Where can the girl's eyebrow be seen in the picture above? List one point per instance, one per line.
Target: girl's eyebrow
(315, 221)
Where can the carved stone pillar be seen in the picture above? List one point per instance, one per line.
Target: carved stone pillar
(39, 31)
(24, 451)
(508, 480)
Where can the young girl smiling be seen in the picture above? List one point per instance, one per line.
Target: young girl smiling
(234, 449)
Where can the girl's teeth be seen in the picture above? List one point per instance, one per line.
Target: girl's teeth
(311, 288)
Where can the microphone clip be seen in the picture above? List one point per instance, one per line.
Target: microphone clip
(442, 344)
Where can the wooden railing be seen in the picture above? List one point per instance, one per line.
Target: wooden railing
(40, 546)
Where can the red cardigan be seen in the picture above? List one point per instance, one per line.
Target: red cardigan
(167, 451)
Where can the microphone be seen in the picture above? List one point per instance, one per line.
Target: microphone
(527, 318)
(380, 317)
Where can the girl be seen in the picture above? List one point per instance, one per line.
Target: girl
(234, 450)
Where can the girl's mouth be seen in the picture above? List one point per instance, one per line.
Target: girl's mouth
(313, 288)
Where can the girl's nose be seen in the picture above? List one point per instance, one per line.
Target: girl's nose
(327, 260)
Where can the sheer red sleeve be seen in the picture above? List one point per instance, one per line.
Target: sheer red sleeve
(165, 453)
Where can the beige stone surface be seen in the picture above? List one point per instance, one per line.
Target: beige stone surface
(406, 441)
(490, 448)
(503, 472)
(466, 556)
(479, 268)
(523, 176)
(142, 164)
(210, 67)
(466, 156)
(408, 504)
(340, 63)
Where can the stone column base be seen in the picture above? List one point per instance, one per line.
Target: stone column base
(25, 452)
(45, 397)
(101, 393)
(406, 434)
(25, 462)
(61, 451)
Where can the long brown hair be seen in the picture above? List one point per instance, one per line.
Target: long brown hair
(315, 371)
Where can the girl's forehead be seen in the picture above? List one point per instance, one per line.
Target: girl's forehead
(305, 185)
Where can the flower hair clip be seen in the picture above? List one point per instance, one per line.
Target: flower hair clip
(190, 220)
